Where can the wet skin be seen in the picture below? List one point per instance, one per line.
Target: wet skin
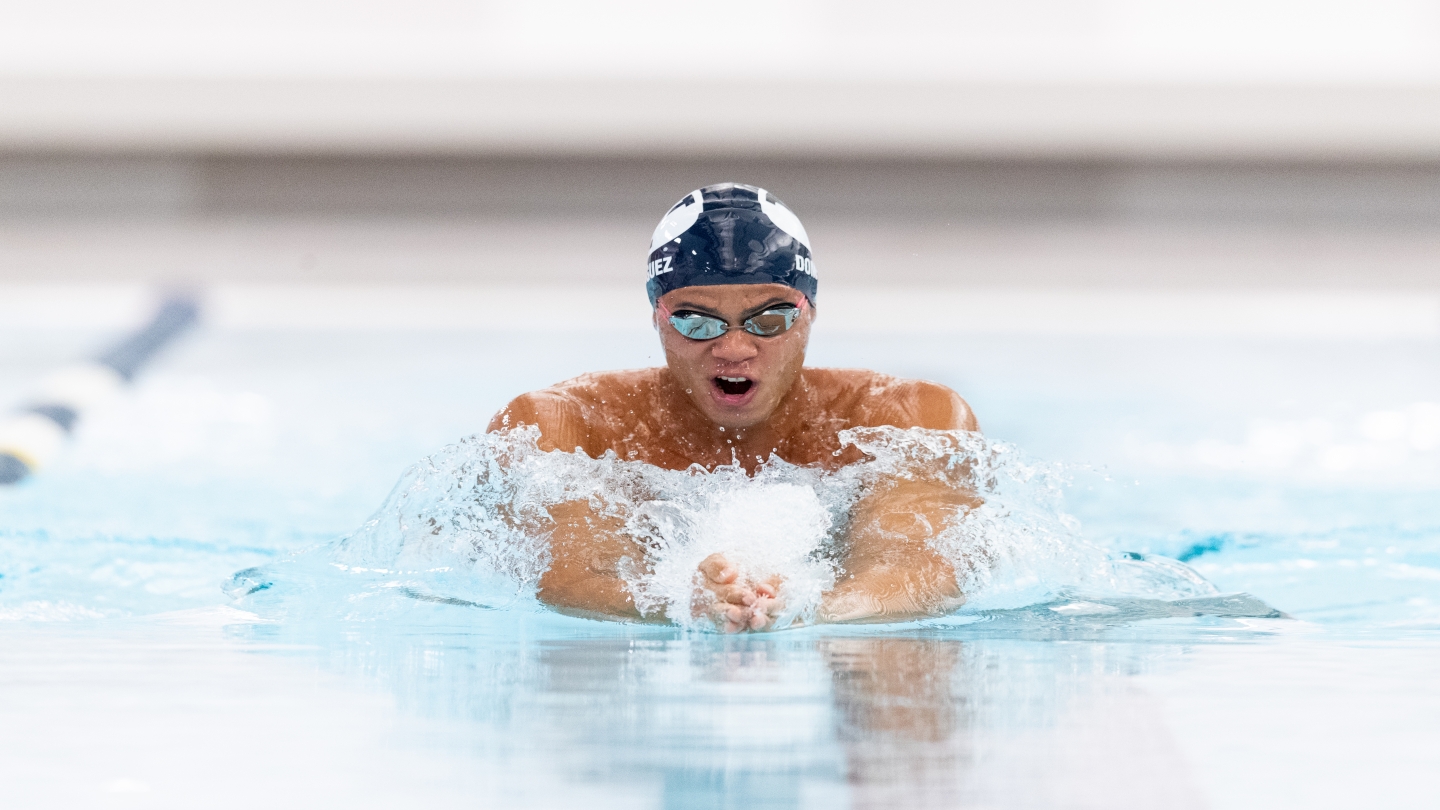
(742, 398)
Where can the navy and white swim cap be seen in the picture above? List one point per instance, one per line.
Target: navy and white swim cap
(729, 233)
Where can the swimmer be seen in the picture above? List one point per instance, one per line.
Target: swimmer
(733, 288)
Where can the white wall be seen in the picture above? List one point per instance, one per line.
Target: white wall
(1047, 41)
(1349, 78)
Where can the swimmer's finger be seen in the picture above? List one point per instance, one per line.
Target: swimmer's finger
(736, 619)
(769, 606)
(718, 569)
(735, 594)
(728, 618)
(718, 617)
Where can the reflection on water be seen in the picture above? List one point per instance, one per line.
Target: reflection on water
(900, 717)
(925, 718)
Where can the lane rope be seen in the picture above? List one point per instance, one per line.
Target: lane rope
(34, 434)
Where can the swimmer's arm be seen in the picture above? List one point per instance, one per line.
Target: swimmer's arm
(587, 551)
(586, 547)
(890, 571)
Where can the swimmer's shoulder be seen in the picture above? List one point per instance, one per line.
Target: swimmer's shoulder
(606, 393)
(872, 399)
(579, 412)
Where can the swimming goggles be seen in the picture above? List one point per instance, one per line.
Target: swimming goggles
(769, 323)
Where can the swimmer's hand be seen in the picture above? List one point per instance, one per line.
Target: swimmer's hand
(734, 603)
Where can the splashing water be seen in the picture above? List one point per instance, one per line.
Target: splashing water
(470, 526)
(762, 527)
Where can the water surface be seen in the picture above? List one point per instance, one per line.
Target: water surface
(1298, 474)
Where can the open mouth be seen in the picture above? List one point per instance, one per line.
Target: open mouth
(734, 386)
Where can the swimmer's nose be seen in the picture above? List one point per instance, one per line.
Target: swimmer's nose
(735, 346)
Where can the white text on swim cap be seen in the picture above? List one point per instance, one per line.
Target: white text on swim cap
(659, 266)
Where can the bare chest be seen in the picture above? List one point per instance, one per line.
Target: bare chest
(814, 441)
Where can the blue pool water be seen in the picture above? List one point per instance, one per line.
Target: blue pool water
(1294, 476)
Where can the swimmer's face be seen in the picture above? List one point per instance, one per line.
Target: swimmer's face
(738, 379)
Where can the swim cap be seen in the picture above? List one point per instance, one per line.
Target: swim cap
(729, 233)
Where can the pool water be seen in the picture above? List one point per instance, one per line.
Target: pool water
(1297, 476)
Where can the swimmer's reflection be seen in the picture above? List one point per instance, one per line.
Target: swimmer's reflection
(783, 720)
(722, 722)
(898, 716)
(759, 723)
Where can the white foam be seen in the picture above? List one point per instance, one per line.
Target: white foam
(761, 528)
(470, 525)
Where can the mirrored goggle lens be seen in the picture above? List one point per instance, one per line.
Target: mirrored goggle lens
(772, 322)
(698, 327)
(695, 326)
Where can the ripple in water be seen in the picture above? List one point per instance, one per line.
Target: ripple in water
(469, 526)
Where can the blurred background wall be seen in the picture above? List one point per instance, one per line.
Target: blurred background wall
(1027, 143)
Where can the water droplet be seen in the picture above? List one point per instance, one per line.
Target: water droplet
(775, 520)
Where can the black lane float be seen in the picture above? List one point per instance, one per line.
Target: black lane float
(30, 437)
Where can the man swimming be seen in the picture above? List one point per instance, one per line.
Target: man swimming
(732, 286)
